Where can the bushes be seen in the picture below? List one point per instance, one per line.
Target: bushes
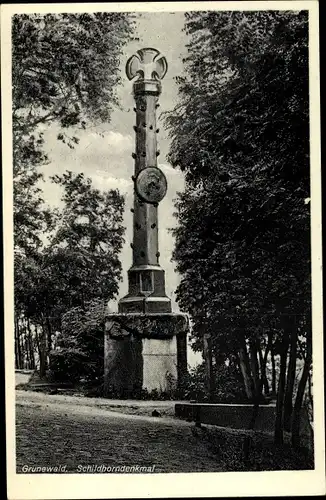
(227, 445)
(68, 364)
(228, 385)
(79, 355)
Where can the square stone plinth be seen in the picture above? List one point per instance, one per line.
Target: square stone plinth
(144, 352)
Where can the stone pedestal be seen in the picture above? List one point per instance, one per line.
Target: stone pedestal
(160, 370)
(144, 352)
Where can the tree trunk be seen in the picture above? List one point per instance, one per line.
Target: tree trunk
(257, 399)
(18, 344)
(310, 390)
(48, 334)
(23, 341)
(45, 343)
(295, 430)
(207, 351)
(254, 367)
(273, 371)
(31, 345)
(28, 360)
(26, 344)
(262, 363)
(278, 432)
(42, 353)
(290, 377)
(16, 353)
(245, 370)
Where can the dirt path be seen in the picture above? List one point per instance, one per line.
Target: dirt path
(62, 430)
(133, 407)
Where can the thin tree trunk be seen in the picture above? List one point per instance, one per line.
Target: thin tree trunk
(278, 432)
(19, 352)
(16, 347)
(48, 334)
(290, 378)
(310, 389)
(295, 430)
(31, 345)
(257, 399)
(22, 341)
(28, 360)
(38, 346)
(26, 346)
(260, 388)
(273, 371)
(43, 353)
(263, 368)
(302, 352)
(208, 365)
(254, 367)
(245, 370)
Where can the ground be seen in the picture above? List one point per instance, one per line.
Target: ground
(71, 431)
(58, 433)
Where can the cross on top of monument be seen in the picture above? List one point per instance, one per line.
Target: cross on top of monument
(148, 64)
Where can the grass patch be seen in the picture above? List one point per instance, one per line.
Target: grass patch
(264, 455)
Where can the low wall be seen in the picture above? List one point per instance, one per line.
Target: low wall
(237, 416)
(227, 415)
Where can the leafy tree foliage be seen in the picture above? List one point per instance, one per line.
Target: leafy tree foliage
(80, 263)
(84, 251)
(79, 353)
(31, 217)
(65, 67)
(240, 133)
(64, 72)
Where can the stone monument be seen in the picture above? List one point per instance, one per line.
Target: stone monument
(145, 342)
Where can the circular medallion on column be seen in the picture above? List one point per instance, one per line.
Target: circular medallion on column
(151, 185)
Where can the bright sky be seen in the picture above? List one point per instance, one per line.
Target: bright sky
(107, 158)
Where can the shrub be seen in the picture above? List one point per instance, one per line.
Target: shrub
(228, 385)
(68, 364)
(79, 355)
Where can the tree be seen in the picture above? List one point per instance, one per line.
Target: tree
(64, 71)
(79, 354)
(240, 133)
(65, 68)
(31, 217)
(80, 263)
(84, 251)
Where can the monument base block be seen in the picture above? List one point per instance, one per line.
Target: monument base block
(144, 352)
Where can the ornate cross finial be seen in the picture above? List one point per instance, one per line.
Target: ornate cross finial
(148, 64)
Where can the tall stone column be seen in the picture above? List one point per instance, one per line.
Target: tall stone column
(145, 342)
(146, 277)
